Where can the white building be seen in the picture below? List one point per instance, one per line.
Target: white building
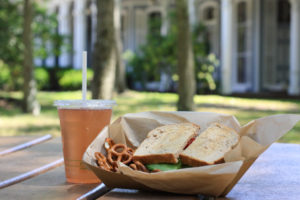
(257, 41)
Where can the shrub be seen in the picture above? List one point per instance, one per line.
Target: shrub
(71, 79)
(42, 78)
(44, 30)
(10, 77)
(4, 75)
(68, 78)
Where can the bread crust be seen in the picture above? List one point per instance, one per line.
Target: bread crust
(156, 158)
(187, 160)
(193, 161)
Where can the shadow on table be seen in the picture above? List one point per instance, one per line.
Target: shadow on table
(153, 195)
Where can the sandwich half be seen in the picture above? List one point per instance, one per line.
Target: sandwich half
(210, 146)
(165, 143)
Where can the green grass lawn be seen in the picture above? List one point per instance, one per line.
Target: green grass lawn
(14, 122)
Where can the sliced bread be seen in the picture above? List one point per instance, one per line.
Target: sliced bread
(165, 143)
(210, 146)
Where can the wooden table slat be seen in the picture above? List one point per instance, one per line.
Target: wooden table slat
(51, 185)
(7, 142)
(29, 159)
(31, 173)
(274, 175)
(25, 145)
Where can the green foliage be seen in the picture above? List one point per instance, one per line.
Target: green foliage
(11, 32)
(45, 32)
(4, 75)
(159, 54)
(205, 64)
(11, 47)
(71, 79)
(42, 78)
(68, 79)
(204, 73)
(10, 76)
(45, 29)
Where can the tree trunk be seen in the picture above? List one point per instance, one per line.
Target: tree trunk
(30, 104)
(104, 59)
(120, 68)
(185, 55)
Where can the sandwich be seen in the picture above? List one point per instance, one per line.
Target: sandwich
(210, 146)
(177, 146)
(164, 144)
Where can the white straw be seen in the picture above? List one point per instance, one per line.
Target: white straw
(84, 66)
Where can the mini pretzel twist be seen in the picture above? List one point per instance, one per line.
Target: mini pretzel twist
(119, 152)
(102, 161)
(108, 144)
(130, 151)
(137, 165)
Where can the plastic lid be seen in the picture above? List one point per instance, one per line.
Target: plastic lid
(89, 104)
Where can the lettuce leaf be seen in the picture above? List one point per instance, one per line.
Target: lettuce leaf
(164, 166)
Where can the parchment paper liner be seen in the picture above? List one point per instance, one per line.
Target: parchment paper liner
(215, 180)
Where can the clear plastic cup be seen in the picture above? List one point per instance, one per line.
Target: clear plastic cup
(80, 122)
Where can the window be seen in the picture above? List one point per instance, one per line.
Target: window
(283, 11)
(241, 10)
(276, 44)
(154, 22)
(209, 13)
(283, 41)
(209, 17)
(242, 44)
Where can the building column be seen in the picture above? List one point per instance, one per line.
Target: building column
(226, 45)
(165, 20)
(63, 20)
(131, 19)
(192, 12)
(257, 43)
(294, 88)
(79, 41)
(50, 60)
(117, 17)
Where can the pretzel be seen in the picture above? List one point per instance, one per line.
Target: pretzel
(133, 166)
(137, 165)
(102, 162)
(130, 151)
(119, 152)
(108, 144)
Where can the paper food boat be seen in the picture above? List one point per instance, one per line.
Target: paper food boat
(215, 180)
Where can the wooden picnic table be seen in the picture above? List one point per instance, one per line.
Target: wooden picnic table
(275, 175)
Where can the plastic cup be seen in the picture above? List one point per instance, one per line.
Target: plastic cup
(80, 122)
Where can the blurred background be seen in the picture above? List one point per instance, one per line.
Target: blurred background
(240, 57)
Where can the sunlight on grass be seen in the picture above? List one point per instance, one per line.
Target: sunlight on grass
(14, 122)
